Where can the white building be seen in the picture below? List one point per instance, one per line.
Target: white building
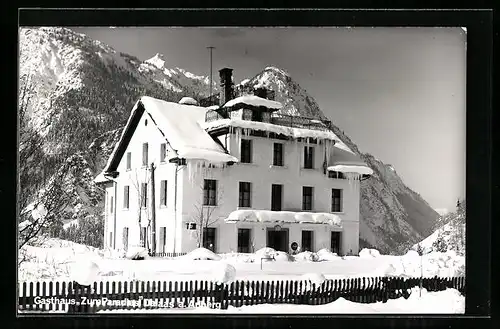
(240, 173)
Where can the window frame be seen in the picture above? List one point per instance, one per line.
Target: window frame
(311, 240)
(246, 151)
(144, 195)
(129, 161)
(307, 199)
(245, 195)
(210, 192)
(145, 154)
(163, 152)
(334, 198)
(126, 197)
(163, 193)
(278, 154)
(308, 157)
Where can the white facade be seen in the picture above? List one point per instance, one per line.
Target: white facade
(260, 173)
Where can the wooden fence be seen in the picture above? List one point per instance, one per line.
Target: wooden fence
(63, 297)
(167, 254)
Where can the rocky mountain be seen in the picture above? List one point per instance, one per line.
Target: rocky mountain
(78, 93)
(74, 90)
(449, 233)
(392, 215)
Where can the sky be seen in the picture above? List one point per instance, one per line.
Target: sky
(398, 93)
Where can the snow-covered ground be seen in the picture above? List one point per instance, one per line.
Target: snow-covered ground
(449, 301)
(58, 260)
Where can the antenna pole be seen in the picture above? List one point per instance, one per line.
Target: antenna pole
(210, 48)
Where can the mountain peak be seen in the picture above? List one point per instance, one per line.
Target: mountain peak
(157, 60)
(276, 70)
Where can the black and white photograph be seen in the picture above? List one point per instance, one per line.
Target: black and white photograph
(242, 170)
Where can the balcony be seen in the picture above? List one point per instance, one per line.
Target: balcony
(293, 121)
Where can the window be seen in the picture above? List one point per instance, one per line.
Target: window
(336, 200)
(209, 192)
(144, 195)
(307, 240)
(145, 154)
(256, 115)
(245, 192)
(126, 196)
(278, 154)
(111, 204)
(111, 239)
(129, 160)
(125, 238)
(244, 240)
(163, 152)
(276, 197)
(335, 243)
(163, 237)
(308, 157)
(209, 238)
(163, 193)
(246, 151)
(143, 236)
(307, 197)
(336, 174)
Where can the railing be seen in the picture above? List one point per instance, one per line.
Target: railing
(156, 294)
(299, 122)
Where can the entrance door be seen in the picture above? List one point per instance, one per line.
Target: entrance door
(244, 240)
(276, 197)
(335, 244)
(209, 238)
(277, 240)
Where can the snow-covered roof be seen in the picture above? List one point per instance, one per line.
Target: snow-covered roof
(269, 216)
(101, 178)
(362, 170)
(180, 124)
(278, 129)
(254, 101)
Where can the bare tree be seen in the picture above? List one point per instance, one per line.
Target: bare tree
(204, 215)
(142, 199)
(43, 194)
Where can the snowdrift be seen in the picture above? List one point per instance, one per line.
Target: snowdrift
(201, 254)
(369, 253)
(137, 253)
(439, 264)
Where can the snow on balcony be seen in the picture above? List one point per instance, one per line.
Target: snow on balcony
(269, 216)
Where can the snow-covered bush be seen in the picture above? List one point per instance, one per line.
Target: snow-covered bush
(202, 254)
(306, 256)
(281, 256)
(369, 253)
(136, 253)
(326, 255)
(224, 273)
(269, 254)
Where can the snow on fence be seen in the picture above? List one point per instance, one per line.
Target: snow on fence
(58, 297)
(167, 254)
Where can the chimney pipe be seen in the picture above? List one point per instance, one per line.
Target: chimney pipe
(226, 85)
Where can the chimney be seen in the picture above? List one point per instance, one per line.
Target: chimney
(260, 92)
(226, 85)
